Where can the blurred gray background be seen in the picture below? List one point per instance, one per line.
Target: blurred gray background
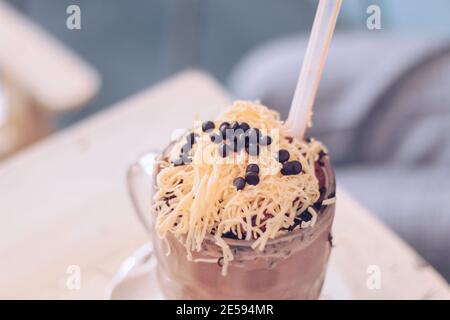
(139, 42)
(383, 106)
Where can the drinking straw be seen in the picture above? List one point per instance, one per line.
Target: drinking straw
(300, 114)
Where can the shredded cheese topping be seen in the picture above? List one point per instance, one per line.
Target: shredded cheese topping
(199, 199)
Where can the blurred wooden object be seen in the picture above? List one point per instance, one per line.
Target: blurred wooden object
(39, 77)
(64, 202)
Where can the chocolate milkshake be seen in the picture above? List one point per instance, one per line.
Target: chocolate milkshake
(243, 210)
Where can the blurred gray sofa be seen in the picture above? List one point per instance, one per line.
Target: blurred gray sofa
(383, 109)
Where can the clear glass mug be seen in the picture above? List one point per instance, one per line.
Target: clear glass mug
(292, 266)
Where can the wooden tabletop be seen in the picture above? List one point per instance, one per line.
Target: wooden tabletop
(64, 202)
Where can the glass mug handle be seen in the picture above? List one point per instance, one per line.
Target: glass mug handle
(140, 184)
(140, 180)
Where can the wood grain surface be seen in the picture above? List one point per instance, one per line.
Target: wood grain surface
(63, 202)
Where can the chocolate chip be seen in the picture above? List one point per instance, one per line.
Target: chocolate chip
(252, 149)
(296, 167)
(184, 157)
(252, 178)
(224, 124)
(238, 132)
(318, 205)
(237, 145)
(234, 125)
(253, 168)
(238, 141)
(283, 155)
(253, 135)
(297, 221)
(291, 168)
(177, 162)
(286, 169)
(216, 138)
(224, 150)
(265, 141)
(192, 137)
(239, 183)
(247, 141)
(223, 129)
(228, 134)
(230, 235)
(289, 139)
(207, 125)
(186, 148)
(305, 216)
(244, 126)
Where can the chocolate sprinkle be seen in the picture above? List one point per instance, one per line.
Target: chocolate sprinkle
(252, 149)
(244, 126)
(191, 138)
(229, 134)
(291, 168)
(252, 178)
(253, 135)
(296, 166)
(234, 125)
(253, 168)
(237, 146)
(186, 148)
(239, 183)
(305, 216)
(224, 150)
(185, 158)
(224, 124)
(177, 162)
(265, 141)
(223, 129)
(230, 235)
(207, 125)
(318, 206)
(216, 138)
(238, 133)
(283, 155)
(297, 222)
